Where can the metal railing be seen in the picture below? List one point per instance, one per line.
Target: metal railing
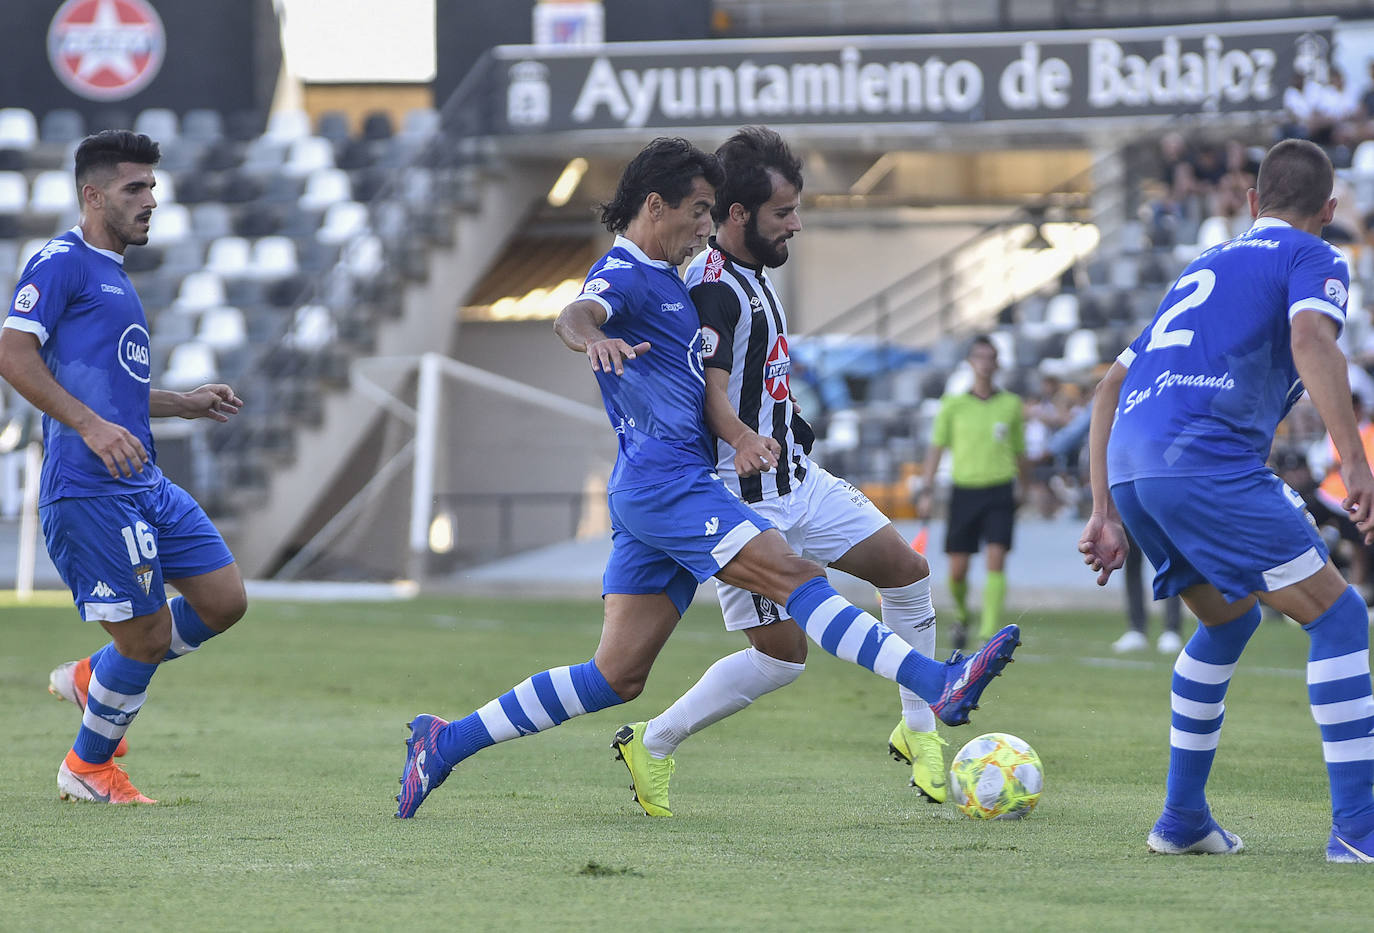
(961, 289)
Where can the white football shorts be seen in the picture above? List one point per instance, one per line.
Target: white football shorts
(821, 518)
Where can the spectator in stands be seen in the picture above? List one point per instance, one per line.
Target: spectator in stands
(1331, 492)
(1298, 108)
(75, 344)
(1134, 638)
(983, 429)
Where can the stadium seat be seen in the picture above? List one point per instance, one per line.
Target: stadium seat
(203, 125)
(18, 129)
(312, 328)
(1006, 348)
(274, 257)
(199, 290)
(222, 329)
(229, 257)
(264, 219)
(264, 156)
(171, 224)
(1213, 231)
(363, 257)
(420, 123)
(307, 155)
(342, 221)
(325, 187)
(166, 188)
(284, 126)
(283, 189)
(158, 123)
(53, 191)
(377, 126)
(1061, 312)
(181, 257)
(353, 154)
(190, 365)
(14, 193)
(27, 251)
(244, 125)
(61, 126)
(211, 220)
(333, 126)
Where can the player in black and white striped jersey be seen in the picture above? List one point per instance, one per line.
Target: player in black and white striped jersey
(762, 446)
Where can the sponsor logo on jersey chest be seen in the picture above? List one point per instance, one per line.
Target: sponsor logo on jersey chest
(134, 353)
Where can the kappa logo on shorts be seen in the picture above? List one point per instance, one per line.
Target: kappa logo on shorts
(102, 590)
(713, 525)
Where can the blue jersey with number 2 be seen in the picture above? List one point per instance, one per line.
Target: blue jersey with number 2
(1211, 377)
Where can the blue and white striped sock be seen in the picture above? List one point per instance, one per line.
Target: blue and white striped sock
(537, 703)
(118, 688)
(1338, 688)
(1201, 675)
(851, 634)
(189, 631)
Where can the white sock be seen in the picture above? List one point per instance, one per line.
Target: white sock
(728, 686)
(910, 613)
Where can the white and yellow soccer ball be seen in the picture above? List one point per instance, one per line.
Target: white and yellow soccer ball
(996, 777)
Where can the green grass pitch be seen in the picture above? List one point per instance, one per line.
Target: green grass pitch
(275, 752)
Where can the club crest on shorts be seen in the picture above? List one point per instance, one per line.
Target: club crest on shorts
(144, 574)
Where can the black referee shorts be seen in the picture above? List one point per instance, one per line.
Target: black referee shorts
(977, 515)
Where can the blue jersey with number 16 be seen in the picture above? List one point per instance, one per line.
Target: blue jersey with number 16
(1211, 377)
(91, 332)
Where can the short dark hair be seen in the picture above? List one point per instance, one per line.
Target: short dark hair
(982, 340)
(747, 157)
(1295, 178)
(667, 166)
(108, 148)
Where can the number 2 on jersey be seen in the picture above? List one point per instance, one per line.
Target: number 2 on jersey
(1160, 335)
(139, 540)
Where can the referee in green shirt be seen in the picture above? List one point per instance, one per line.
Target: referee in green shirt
(984, 432)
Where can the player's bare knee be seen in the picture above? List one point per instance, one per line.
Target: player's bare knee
(627, 686)
(782, 641)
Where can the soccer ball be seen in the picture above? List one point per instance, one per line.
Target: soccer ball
(996, 777)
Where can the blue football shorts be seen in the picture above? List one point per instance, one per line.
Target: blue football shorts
(114, 552)
(671, 537)
(1243, 534)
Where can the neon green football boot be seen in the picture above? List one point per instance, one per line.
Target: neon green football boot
(921, 750)
(649, 776)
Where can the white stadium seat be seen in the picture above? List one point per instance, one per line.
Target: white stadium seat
(18, 128)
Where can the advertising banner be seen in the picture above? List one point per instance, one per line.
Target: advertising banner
(973, 78)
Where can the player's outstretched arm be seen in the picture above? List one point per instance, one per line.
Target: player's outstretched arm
(1322, 366)
(1103, 542)
(754, 453)
(22, 367)
(215, 401)
(579, 327)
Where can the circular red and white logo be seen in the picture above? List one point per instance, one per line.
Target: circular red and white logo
(106, 49)
(775, 379)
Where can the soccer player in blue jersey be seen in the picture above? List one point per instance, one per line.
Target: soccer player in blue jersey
(762, 454)
(75, 344)
(674, 522)
(1181, 429)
